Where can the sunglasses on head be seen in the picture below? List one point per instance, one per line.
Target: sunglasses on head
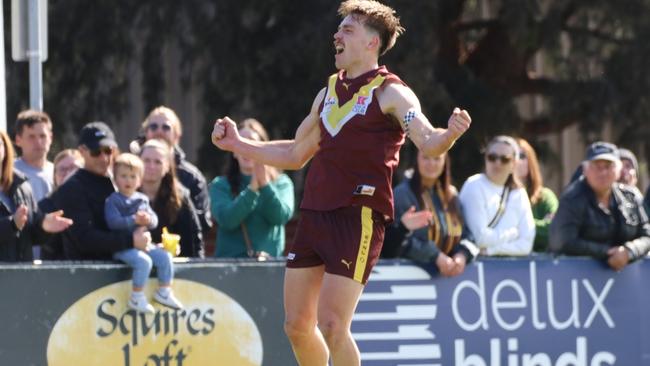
(504, 159)
(154, 127)
(106, 150)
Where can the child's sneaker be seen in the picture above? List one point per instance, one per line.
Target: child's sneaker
(139, 303)
(165, 296)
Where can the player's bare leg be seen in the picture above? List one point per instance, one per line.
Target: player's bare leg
(301, 290)
(338, 300)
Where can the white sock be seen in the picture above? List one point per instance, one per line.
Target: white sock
(137, 294)
(164, 291)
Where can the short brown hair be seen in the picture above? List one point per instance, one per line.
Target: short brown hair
(378, 17)
(130, 161)
(29, 118)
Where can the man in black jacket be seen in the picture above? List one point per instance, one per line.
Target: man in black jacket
(599, 217)
(82, 198)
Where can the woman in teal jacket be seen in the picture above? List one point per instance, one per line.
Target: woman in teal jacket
(252, 202)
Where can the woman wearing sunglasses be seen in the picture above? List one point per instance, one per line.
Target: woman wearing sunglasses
(164, 124)
(495, 204)
(428, 226)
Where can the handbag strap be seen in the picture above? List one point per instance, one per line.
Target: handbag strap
(502, 207)
(249, 247)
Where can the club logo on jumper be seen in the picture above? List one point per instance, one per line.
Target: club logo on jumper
(99, 329)
(334, 117)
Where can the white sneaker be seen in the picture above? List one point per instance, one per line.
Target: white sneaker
(141, 305)
(170, 300)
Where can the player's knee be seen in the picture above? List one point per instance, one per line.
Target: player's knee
(333, 330)
(297, 329)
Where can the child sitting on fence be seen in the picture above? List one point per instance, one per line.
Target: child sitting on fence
(127, 209)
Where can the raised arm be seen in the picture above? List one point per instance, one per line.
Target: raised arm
(284, 154)
(401, 102)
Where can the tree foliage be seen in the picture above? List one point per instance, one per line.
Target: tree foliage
(268, 59)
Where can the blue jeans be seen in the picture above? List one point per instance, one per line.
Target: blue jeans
(141, 263)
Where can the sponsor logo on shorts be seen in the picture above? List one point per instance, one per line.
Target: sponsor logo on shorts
(364, 190)
(291, 256)
(347, 264)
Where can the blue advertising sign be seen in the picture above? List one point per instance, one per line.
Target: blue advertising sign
(506, 312)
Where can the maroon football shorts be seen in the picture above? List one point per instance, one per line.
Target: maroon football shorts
(346, 240)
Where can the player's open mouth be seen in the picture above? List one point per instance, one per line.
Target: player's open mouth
(339, 49)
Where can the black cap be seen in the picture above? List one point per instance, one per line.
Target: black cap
(601, 150)
(95, 135)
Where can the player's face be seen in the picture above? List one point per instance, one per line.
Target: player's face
(351, 42)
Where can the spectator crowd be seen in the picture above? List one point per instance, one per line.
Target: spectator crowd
(94, 203)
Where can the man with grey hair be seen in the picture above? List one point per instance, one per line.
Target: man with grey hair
(600, 217)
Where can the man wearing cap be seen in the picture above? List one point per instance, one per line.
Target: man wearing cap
(600, 217)
(82, 198)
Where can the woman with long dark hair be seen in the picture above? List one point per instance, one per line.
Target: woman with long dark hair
(495, 204)
(21, 223)
(251, 203)
(428, 224)
(169, 199)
